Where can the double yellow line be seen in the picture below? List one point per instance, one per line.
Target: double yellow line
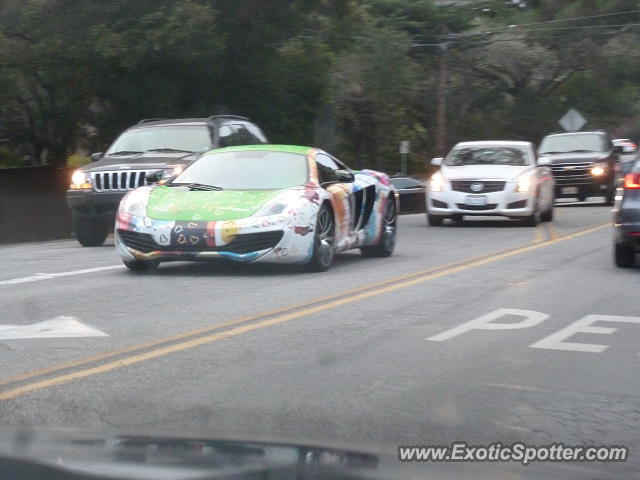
(116, 359)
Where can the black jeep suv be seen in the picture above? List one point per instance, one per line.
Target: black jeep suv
(151, 145)
(583, 163)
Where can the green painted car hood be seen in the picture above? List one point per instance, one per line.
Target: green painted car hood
(180, 204)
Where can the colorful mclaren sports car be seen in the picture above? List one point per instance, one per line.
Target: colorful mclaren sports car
(272, 203)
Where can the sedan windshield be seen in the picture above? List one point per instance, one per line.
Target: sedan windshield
(193, 138)
(572, 143)
(247, 170)
(512, 156)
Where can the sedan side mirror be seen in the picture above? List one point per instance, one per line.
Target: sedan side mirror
(436, 162)
(96, 156)
(544, 161)
(345, 176)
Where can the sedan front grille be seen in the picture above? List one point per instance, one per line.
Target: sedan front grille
(120, 181)
(482, 186)
(463, 206)
(243, 243)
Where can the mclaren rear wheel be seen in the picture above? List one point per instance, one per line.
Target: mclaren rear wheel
(387, 241)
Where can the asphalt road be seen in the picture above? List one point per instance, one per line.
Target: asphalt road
(367, 353)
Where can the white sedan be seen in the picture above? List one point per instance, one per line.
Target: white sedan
(491, 178)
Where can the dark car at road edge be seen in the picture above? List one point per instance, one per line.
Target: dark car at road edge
(627, 219)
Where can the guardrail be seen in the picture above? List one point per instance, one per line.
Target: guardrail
(33, 207)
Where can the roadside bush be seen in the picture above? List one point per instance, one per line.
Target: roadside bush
(8, 159)
(77, 160)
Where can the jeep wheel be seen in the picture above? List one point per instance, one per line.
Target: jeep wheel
(89, 232)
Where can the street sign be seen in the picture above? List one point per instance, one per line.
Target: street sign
(572, 121)
(405, 146)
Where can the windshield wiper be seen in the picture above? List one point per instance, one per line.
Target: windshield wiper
(124, 152)
(196, 186)
(169, 150)
(581, 151)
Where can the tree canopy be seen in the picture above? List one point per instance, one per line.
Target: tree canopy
(352, 76)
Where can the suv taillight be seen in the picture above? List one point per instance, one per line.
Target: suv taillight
(632, 181)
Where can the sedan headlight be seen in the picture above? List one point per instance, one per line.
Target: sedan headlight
(135, 203)
(80, 181)
(436, 184)
(599, 169)
(524, 184)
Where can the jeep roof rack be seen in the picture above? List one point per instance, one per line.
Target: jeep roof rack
(234, 117)
(588, 130)
(147, 120)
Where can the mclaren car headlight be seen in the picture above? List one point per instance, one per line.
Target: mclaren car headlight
(135, 202)
(278, 204)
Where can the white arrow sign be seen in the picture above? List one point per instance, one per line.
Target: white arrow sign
(59, 327)
(572, 121)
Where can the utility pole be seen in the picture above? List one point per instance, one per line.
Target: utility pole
(443, 82)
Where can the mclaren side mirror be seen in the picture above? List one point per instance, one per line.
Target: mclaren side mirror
(345, 176)
(155, 176)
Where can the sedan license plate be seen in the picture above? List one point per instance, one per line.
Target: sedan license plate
(476, 200)
(569, 190)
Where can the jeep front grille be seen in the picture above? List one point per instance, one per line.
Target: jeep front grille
(119, 181)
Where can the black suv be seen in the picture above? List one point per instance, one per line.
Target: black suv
(151, 145)
(583, 163)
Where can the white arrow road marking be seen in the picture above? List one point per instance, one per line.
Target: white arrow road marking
(59, 327)
(47, 276)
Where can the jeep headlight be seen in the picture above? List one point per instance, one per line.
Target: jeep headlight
(80, 181)
(135, 203)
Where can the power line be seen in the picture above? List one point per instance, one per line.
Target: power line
(558, 20)
(582, 27)
(512, 39)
